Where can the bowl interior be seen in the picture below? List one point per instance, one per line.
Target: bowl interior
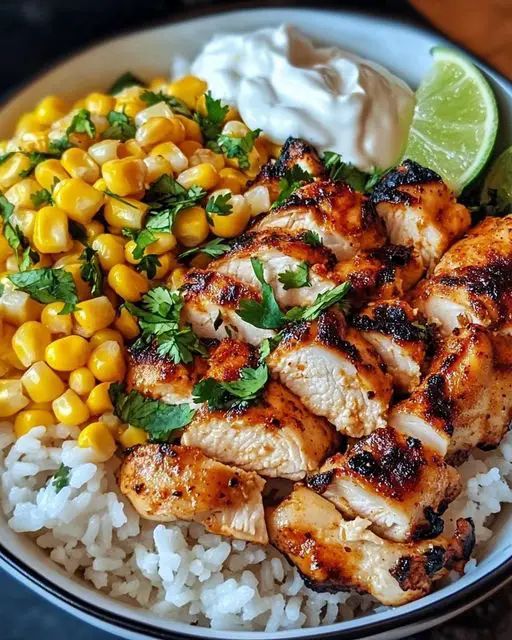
(403, 49)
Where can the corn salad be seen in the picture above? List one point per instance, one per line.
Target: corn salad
(77, 183)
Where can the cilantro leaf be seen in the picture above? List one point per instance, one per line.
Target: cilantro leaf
(29, 257)
(292, 180)
(295, 279)
(35, 158)
(215, 248)
(238, 148)
(57, 146)
(5, 156)
(268, 345)
(224, 395)
(220, 205)
(142, 240)
(211, 124)
(149, 264)
(122, 127)
(323, 301)
(82, 123)
(48, 285)
(344, 171)
(61, 478)
(157, 418)
(91, 272)
(166, 198)
(15, 238)
(176, 105)
(265, 314)
(77, 231)
(111, 194)
(312, 238)
(159, 317)
(123, 82)
(41, 197)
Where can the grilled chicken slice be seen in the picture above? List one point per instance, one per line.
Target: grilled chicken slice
(211, 303)
(473, 280)
(393, 481)
(279, 252)
(335, 372)
(449, 412)
(169, 482)
(393, 328)
(158, 377)
(344, 219)
(333, 554)
(419, 209)
(500, 390)
(385, 272)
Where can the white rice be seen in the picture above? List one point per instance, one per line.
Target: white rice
(178, 570)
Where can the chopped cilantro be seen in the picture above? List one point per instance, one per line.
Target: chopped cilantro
(238, 148)
(48, 285)
(15, 238)
(215, 248)
(220, 205)
(142, 240)
(211, 124)
(123, 82)
(111, 194)
(176, 105)
(224, 395)
(292, 180)
(90, 271)
(323, 301)
(58, 146)
(166, 198)
(149, 264)
(312, 238)
(265, 314)
(295, 279)
(61, 478)
(122, 127)
(41, 197)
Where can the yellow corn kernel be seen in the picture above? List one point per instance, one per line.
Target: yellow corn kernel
(106, 362)
(80, 165)
(51, 232)
(36, 141)
(258, 199)
(81, 381)
(129, 248)
(157, 166)
(54, 321)
(158, 110)
(201, 156)
(20, 194)
(11, 168)
(188, 89)
(25, 220)
(100, 185)
(93, 229)
(131, 149)
(158, 84)
(78, 199)
(27, 420)
(163, 242)
(96, 436)
(18, 307)
(127, 324)
(200, 261)
(41, 383)
(50, 109)
(232, 179)
(30, 341)
(11, 264)
(98, 401)
(173, 154)
(11, 397)
(189, 147)
(49, 172)
(28, 123)
(68, 353)
(129, 213)
(5, 248)
(167, 262)
(177, 277)
(263, 147)
(192, 129)
(104, 151)
(233, 224)
(235, 129)
(127, 283)
(110, 250)
(160, 129)
(93, 315)
(69, 408)
(68, 258)
(132, 436)
(83, 288)
(99, 103)
(124, 176)
(202, 175)
(104, 335)
(191, 226)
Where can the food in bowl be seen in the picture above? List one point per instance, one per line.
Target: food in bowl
(245, 380)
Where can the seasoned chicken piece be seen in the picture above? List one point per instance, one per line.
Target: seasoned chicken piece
(335, 372)
(393, 328)
(381, 273)
(419, 209)
(449, 412)
(295, 152)
(500, 390)
(280, 252)
(334, 554)
(211, 303)
(158, 377)
(344, 219)
(168, 482)
(392, 480)
(473, 280)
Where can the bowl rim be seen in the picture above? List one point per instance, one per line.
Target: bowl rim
(428, 614)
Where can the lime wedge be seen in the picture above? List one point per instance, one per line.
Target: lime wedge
(498, 182)
(455, 119)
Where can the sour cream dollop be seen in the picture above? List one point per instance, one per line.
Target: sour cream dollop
(334, 99)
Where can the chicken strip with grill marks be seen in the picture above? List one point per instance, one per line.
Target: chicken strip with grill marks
(344, 219)
(280, 252)
(170, 482)
(392, 480)
(419, 209)
(275, 435)
(394, 329)
(335, 372)
(334, 554)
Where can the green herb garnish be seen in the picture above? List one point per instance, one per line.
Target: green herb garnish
(90, 271)
(292, 180)
(122, 127)
(123, 82)
(166, 198)
(42, 197)
(48, 285)
(211, 124)
(238, 148)
(265, 314)
(312, 238)
(295, 279)
(61, 478)
(176, 105)
(225, 395)
(323, 301)
(220, 205)
(149, 264)
(82, 123)
(215, 248)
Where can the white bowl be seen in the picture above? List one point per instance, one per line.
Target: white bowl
(404, 49)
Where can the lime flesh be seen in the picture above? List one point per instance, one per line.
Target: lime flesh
(455, 119)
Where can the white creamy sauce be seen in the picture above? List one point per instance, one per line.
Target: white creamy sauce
(285, 86)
